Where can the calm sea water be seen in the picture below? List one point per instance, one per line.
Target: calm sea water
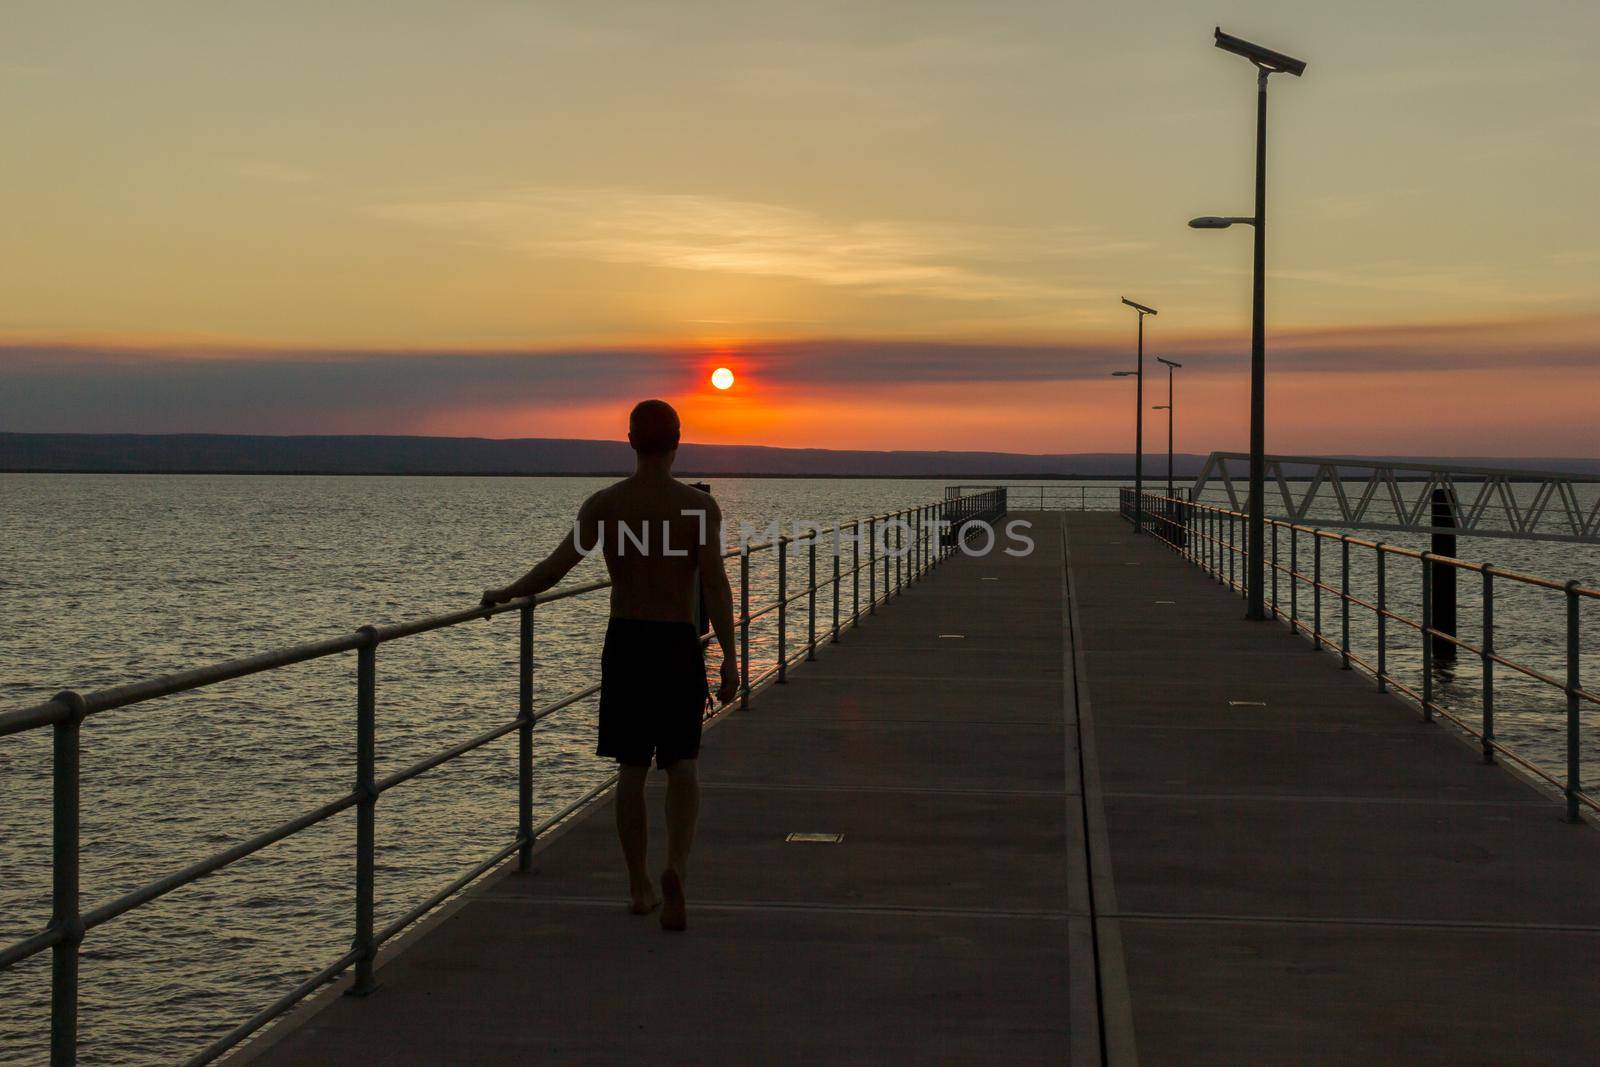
(115, 578)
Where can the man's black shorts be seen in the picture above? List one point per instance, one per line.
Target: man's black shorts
(652, 692)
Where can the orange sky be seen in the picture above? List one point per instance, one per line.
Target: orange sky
(515, 220)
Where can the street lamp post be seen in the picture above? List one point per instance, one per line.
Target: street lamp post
(1138, 422)
(1267, 62)
(1167, 407)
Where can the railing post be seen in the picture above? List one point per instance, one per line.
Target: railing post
(1383, 621)
(1344, 601)
(836, 583)
(1217, 562)
(889, 560)
(744, 624)
(811, 599)
(66, 793)
(855, 575)
(1232, 578)
(916, 543)
(1487, 657)
(1574, 680)
(928, 559)
(922, 549)
(914, 565)
(1294, 580)
(525, 739)
(1316, 592)
(783, 610)
(872, 567)
(1214, 542)
(1208, 520)
(901, 560)
(366, 808)
(1274, 570)
(1427, 637)
(1233, 571)
(891, 557)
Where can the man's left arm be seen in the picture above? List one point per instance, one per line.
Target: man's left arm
(554, 567)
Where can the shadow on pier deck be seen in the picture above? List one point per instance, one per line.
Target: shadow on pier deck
(1310, 877)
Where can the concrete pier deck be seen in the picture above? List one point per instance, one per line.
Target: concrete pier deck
(936, 739)
(1309, 875)
(1321, 878)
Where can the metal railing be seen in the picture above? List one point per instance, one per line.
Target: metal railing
(1213, 538)
(1397, 495)
(912, 553)
(1055, 497)
(967, 504)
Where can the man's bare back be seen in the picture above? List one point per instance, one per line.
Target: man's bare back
(653, 532)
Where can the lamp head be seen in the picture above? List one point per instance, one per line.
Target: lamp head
(1168, 362)
(1210, 222)
(1140, 308)
(1265, 58)
(1124, 373)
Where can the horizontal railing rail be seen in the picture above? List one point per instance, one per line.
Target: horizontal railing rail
(1050, 497)
(1213, 538)
(904, 544)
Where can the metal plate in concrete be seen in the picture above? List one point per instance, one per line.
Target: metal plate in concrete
(900, 850)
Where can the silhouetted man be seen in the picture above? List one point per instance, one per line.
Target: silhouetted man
(662, 544)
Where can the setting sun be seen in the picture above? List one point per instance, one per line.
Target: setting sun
(722, 378)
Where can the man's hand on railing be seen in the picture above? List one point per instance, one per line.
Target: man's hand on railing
(491, 597)
(730, 680)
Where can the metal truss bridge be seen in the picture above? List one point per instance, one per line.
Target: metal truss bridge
(1340, 491)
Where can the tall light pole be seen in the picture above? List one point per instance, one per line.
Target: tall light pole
(1138, 422)
(1168, 408)
(1267, 62)
(1137, 509)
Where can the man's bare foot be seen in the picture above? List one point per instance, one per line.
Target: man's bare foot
(674, 909)
(646, 902)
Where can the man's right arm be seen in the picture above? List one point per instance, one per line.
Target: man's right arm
(567, 555)
(719, 600)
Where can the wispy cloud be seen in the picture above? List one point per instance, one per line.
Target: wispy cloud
(710, 233)
(176, 387)
(1464, 282)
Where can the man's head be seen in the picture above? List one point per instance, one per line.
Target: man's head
(653, 428)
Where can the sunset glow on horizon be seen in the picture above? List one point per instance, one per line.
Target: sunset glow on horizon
(255, 222)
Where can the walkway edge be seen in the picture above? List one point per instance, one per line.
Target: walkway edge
(1119, 1044)
(1083, 967)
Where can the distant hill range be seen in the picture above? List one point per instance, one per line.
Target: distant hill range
(253, 454)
